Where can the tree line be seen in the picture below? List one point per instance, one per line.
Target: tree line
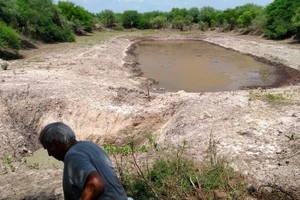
(45, 21)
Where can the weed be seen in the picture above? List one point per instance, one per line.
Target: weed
(269, 97)
(4, 66)
(274, 97)
(124, 150)
(172, 174)
(7, 162)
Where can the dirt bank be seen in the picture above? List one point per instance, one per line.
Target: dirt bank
(97, 90)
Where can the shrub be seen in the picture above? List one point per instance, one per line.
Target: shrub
(52, 33)
(41, 19)
(9, 38)
(81, 19)
(4, 66)
(280, 15)
(268, 97)
(167, 172)
(172, 174)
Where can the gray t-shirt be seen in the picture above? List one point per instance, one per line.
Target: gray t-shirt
(82, 159)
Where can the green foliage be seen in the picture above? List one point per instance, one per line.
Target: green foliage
(280, 15)
(130, 19)
(107, 18)
(169, 176)
(172, 174)
(194, 14)
(52, 33)
(8, 38)
(178, 23)
(159, 22)
(41, 20)
(81, 19)
(8, 12)
(259, 22)
(7, 162)
(207, 15)
(274, 97)
(169, 173)
(247, 13)
(145, 20)
(177, 13)
(216, 177)
(229, 19)
(269, 97)
(296, 22)
(123, 150)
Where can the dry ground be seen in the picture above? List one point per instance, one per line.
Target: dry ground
(97, 90)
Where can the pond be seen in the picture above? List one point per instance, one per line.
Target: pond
(198, 66)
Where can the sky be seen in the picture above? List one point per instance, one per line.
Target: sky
(119, 6)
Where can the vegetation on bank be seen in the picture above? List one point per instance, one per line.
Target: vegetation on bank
(164, 171)
(45, 21)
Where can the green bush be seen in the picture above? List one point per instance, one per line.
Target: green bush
(130, 19)
(81, 19)
(172, 174)
(280, 16)
(165, 172)
(167, 177)
(107, 18)
(52, 33)
(9, 39)
(8, 12)
(41, 19)
(296, 22)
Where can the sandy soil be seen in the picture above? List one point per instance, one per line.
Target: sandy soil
(97, 90)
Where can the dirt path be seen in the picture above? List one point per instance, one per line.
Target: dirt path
(95, 89)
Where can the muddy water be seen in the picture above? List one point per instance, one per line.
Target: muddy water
(42, 160)
(198, 66)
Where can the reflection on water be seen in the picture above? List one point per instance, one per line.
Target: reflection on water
(197, 66)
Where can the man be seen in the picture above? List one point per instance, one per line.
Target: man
(88, 172)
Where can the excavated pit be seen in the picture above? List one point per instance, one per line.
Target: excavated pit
(97, 91)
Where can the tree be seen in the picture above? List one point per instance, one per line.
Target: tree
(194, 14)
(81, 19)
(8, 11)
(296, 23)
(177, 13)
(207, 15)
(178, 23)
(107, 18)
(229, 19)
(130, 19)
(40, 19)
(259, 22)
(146, 19)
(247, 13)
(279, 23)
(159, 22)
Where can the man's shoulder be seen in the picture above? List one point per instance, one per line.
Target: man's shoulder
(80, 150)
(84, 146)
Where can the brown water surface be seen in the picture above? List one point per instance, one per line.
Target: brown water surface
(198, 66)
